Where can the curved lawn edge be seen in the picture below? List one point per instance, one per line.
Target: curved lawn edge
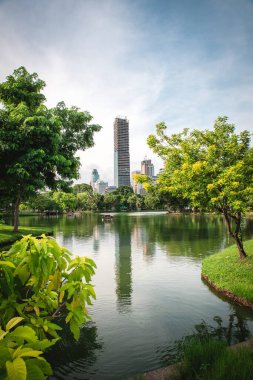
(226, 293)
(230, 276)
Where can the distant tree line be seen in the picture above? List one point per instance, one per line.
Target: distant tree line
(81, 197)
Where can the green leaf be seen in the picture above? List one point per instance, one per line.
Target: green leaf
(43, 344)
(74, 328)
(16, 370)
(7, 263)
(2, 334)
(24, 332)
(40, 363)
(13, 322)
(31, 353)
(33, 371)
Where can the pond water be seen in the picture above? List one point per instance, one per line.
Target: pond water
(149, 290)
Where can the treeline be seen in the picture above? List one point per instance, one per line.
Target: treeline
(81, 197)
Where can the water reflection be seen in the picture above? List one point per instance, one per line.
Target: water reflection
(233, 330)
(75, 359)
(149, 291)
(123, 264)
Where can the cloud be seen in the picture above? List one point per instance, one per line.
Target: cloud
(150, 61)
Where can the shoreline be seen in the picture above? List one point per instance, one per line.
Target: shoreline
(8, 237)
(226, 293)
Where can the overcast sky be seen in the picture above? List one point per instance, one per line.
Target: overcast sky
(180, 61)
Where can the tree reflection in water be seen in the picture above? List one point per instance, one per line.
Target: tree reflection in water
(71, 359)
(234, 331)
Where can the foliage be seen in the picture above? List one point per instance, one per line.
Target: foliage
(43, 202)
(20, 353)
(82, 188)
(122, 199)
(207, 359)
(40, 283)
(37, 145)
(227, 272)
(212, 169)
(64, 201)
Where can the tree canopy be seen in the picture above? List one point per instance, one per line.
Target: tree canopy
(37, 145)
(213, 169)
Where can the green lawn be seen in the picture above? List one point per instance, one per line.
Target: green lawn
(8, 237)
(228, 272)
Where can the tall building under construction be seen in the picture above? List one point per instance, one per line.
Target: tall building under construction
(121, 152)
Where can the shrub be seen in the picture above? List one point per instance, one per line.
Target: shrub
(39, 283)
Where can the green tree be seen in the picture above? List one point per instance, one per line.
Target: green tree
(82, 188)
(212, 169)
(65, 201)
(43, 202)
(37, 145)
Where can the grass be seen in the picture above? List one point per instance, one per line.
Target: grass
(7, 236)
(228, 272)
(210, 359)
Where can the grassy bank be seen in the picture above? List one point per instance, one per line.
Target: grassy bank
(211, 360)
(229, 273)
(7, 236)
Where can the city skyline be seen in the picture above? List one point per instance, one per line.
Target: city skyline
(181, 62)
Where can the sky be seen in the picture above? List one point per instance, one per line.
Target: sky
(184, 62)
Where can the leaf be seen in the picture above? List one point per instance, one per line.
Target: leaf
(2, 334)
(13, 322)
(24, 332)
(31, 353)
(7, 263)
(23, 273)
(40, 363)
(74, 328)
(33, 371)
(43, 344)
(16, 370)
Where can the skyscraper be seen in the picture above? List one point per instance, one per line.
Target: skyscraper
(121, 152)
(94, 178)
(147, 168)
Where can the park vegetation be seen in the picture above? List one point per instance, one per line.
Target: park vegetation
(82, 198)
(212, 169)
(40, 285)
(231, 275)
(38, 145)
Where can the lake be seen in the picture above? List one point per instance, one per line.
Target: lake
(149, 290)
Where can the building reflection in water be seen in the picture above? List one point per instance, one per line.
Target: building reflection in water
(123, 266)
(140, 240)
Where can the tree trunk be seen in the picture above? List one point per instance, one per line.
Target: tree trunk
(236, 234)
(240, 248)
(16, 214)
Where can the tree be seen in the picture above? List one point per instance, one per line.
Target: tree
(65, 201)
(43, 202)
(37, 145)
(82, 188)
(212, 169)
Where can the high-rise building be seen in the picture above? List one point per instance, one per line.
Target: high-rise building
(137, 187)
(147, 168)
(100, 187)
(94, 178)
(121, 152)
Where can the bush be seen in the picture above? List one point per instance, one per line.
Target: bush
(39, 283)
